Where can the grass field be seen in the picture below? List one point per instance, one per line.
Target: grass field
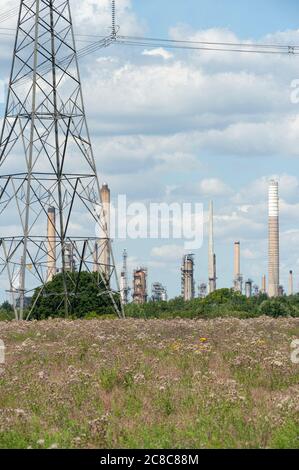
(149, 384)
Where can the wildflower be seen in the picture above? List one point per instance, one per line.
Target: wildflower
(139, 378)
(277, 363)
(203, 340)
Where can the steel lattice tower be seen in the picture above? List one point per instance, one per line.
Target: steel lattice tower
(47, 161)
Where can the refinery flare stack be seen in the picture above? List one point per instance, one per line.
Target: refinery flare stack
(273, 221)
(124, 287)
(211, 254)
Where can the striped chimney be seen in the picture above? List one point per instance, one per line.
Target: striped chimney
(273, 239)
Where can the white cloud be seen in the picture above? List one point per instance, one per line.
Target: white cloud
(234, 225)
(247, 253)
(289, 211)
(176, 161)
(96, 15)
(190, 97)
(159, 52)
(275, 65)
(257, 190)
(206, 188)
(171, 253)
(214, 187)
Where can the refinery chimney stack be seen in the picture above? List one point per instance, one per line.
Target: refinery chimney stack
(51, 230)
(212, 256)
(188, 289)
(103, 247)
(273, 239)
(238, 280)
(264, 285)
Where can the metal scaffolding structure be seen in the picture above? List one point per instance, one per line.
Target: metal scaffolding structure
(159, 292)
(140, 285)
(44, 139)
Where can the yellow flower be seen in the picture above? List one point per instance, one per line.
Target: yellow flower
(176, 346)
(203, 340)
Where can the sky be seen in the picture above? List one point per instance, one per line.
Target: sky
(185, 126)
(248, 19)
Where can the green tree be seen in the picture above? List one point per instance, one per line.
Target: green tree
(86, 296)
(275, 308)
(7, 307)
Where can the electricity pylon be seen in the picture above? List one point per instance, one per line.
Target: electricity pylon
(47, 162)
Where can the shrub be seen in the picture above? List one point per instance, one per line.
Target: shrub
(84, 297)
(274, 308)
(221, 303)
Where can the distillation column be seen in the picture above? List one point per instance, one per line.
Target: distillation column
(248, 288)
(140, 286)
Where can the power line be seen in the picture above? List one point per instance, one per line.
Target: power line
(288, 50)
(181, 41)
(9, 14)
(179, 44)
(278, 49)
